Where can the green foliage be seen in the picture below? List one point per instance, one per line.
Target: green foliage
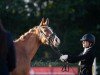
(70, 19)
(49, 64)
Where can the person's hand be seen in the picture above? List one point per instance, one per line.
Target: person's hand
(63, 58)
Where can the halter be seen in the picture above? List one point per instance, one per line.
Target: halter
(48, 38)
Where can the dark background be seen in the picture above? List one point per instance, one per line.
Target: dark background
(70, 20)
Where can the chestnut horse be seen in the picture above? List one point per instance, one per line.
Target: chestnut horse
(27, 45)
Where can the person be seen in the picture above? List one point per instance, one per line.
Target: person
(86, 58)
(7, 52)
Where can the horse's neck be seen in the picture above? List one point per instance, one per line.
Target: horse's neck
(28, 46)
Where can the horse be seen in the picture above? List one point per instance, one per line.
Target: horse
(27, 45)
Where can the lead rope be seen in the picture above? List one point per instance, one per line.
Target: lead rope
(65, 67)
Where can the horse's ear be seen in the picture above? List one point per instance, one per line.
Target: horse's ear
(47, 22)
(42, 22)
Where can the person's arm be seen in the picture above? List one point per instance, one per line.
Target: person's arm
(11, 58)
(73, 59)
(88, 54)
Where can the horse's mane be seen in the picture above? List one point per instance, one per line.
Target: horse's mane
(26, 35)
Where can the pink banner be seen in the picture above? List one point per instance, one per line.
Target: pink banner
(53, 71)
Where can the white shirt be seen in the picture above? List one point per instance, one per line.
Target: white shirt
(85, 50)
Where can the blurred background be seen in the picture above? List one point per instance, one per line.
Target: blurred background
(70, 20)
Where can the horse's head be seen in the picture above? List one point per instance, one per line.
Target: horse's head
(46, 34)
